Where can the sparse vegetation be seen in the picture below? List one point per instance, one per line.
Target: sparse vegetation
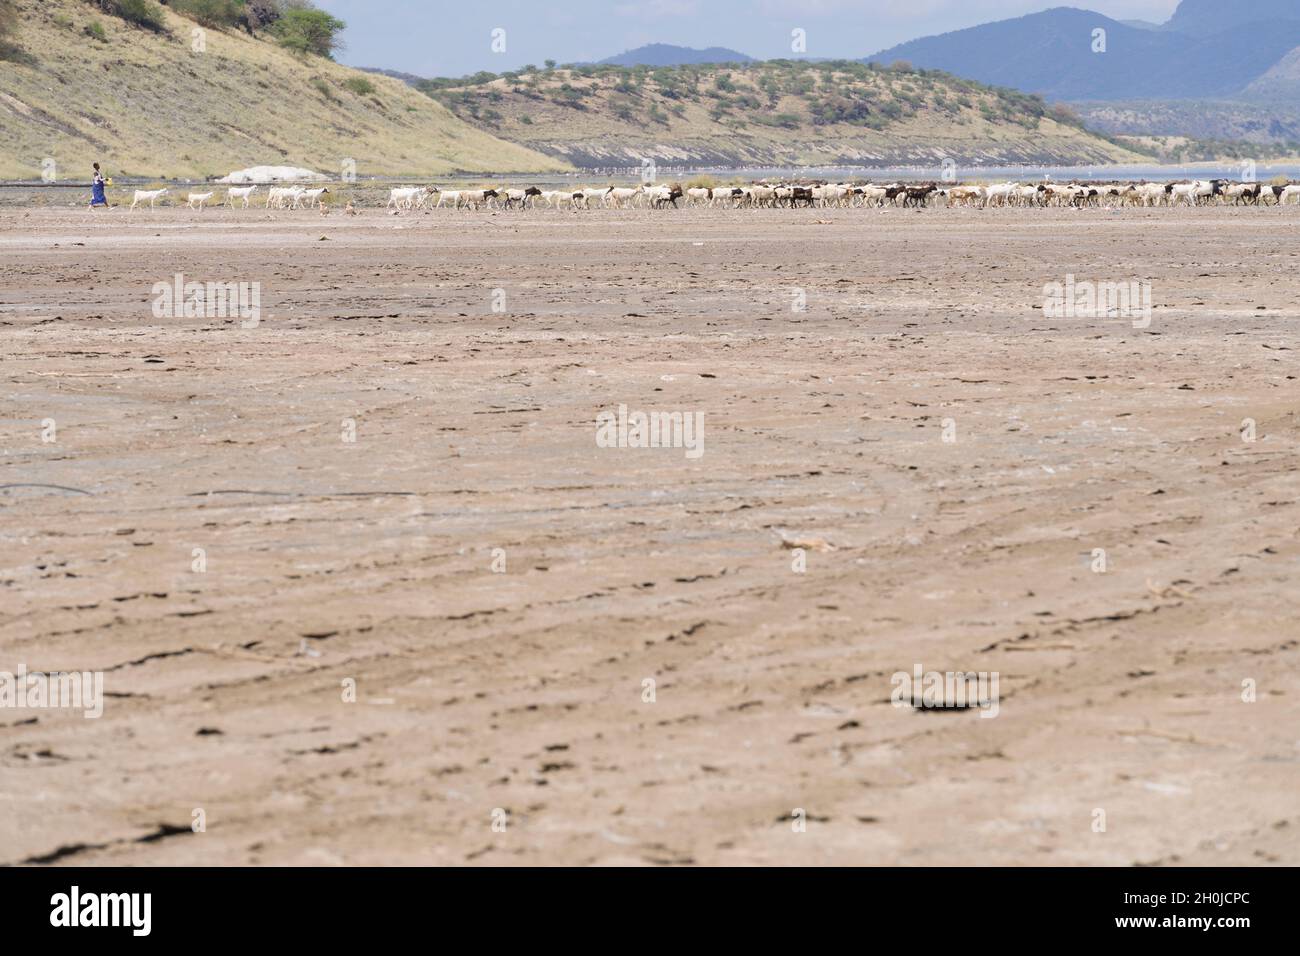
(167, 109)
(781, 120)
(308, 30)
(145, 14)
(8, 23)
(217, 14)
(1183, 149)
(95, 30)
(828, 93)
(324, 90)
(782, 108)
(359, 85)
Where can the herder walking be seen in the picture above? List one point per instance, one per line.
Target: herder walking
(97, 197)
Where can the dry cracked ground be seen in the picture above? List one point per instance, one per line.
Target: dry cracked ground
(518, 695)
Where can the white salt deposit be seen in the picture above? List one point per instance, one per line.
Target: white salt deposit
(272, 174)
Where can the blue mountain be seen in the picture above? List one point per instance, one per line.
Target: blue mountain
(1204, 51)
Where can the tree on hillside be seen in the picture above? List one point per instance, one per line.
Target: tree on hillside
(307, 31)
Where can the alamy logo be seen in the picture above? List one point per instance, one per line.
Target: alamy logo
(179, 299)
(1098, 300)
(103, 909)
(77, 690)
(952, 690)
(623, 429)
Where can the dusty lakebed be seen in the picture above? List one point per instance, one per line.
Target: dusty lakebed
(183, 511)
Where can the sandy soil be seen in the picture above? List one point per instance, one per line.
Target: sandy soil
(330, 561)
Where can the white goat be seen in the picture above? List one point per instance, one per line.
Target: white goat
(152, 195)
(243, 193)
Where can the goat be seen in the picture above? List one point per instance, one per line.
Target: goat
(152, 195)
(244, 193)
(521, 196)
(312, 197)
(658, 195)
(403, 197)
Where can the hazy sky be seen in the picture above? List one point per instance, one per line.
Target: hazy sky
(454, 38)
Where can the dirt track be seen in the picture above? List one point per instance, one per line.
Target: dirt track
(372, 560)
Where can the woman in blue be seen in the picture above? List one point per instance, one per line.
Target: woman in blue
(97, 190)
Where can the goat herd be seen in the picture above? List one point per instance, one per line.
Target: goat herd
(845, 195)
(759, 195)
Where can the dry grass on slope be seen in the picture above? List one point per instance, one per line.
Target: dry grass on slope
(147, 104)
(771, 113)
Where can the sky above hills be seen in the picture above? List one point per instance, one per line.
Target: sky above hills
(452, 39)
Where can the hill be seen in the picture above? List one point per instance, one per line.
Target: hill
(410, 79)
(771, 113)
(82, 85)
(1280, 83)
(1217, 120)
(665, 54)
(1051, 53)
(1208, 17)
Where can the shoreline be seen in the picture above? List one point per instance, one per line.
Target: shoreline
(965, 173)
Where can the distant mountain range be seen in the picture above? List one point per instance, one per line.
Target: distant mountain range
(665, 54)
(1206, 50)
(410, 79)
(653, 54)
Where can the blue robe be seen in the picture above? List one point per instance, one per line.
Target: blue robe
(97, 193)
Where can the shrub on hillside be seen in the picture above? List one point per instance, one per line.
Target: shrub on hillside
(140, 13)
(779, 120)
(623, 108)
(1066, 116)
(839, 109)
(359, 85)
(211, 13)
(324, 90)
(570, 96)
